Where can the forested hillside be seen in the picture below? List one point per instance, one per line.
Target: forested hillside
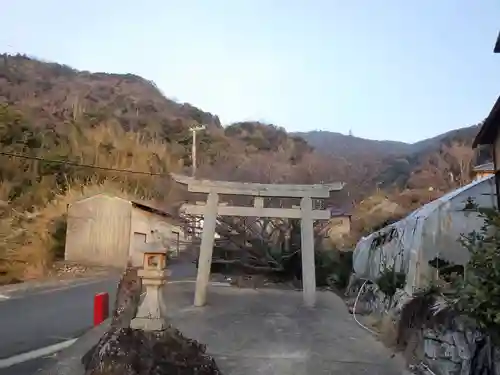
(118, 122)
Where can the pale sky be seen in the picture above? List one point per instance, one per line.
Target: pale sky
(387, 69)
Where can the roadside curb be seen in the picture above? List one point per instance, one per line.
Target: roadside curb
(69, 361)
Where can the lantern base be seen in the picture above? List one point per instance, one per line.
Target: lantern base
(148, 324)
(150, 314)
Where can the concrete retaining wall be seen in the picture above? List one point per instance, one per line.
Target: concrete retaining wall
(446, 350)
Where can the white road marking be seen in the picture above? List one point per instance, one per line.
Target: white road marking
(3, 297)
(34, 354)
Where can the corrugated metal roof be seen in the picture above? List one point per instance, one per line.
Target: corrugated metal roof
(431, 206)
(486, 167)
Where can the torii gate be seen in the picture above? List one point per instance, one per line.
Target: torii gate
(212, 209)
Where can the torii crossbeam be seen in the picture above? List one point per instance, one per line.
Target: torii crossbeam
(212, 208)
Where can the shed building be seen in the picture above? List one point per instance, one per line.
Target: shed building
(107, 230)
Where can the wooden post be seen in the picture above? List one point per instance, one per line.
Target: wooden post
(206, 249)
(307, 251)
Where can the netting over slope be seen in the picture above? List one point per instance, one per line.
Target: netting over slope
(429, 232)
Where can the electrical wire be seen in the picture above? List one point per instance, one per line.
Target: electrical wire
(371, 331)
(354, 310)
(75, 164)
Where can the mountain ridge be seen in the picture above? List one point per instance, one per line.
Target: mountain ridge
(323, 140)
(51, 96)
(100, 127)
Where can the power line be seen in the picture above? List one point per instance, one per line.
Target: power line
(66, 162)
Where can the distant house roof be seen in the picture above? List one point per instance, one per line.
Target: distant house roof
(339, 211)
(486, 167)
(497, 45)
(489, 130)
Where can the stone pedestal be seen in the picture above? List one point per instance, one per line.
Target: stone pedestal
(149, 315)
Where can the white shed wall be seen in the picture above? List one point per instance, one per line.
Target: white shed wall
(98, 231)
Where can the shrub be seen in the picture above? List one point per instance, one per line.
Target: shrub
(333, 268)
(35, 193)
(390, 281)
(479, 295)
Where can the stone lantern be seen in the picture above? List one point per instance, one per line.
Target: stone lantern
(149, 315)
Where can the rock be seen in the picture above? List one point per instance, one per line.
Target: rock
(496, 358)
(465, 370)
(134, 352)
(431, 349)
(449, 352)
(430, 334)
(472, 336)
(127, 300)
(446, 368)
(125, 351)
(463, 347)
(448, 337)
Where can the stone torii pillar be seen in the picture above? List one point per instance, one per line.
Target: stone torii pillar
(206, 249)
(213, 208)
(307, 243)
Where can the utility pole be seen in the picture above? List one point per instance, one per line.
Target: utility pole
(495, 152)
(194, 129)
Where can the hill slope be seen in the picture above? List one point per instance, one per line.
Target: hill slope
(399, 160)
(124, 122)
(347, 145)
(50, 96)
(340, 144)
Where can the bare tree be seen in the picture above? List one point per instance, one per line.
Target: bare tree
(461, 157)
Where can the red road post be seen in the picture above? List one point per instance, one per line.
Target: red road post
(101, 308)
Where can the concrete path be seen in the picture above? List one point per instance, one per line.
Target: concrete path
(250, 332)
(261, 332)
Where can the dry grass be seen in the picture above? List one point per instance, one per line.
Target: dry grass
(372, 212)
(30, 225)
(27, 238)
(388, 331)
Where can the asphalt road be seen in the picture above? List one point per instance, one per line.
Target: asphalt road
(33, 319)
